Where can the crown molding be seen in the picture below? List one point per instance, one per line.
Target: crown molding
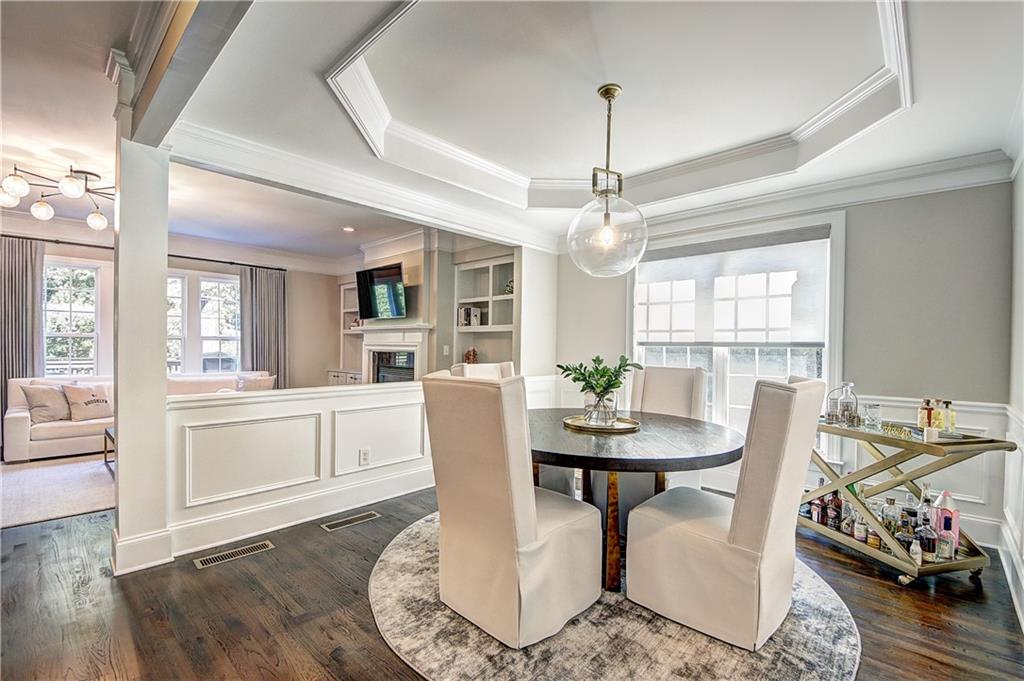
(1014, 136)
(228, 154)
(871, 102)
(413, 235)
(991, 167)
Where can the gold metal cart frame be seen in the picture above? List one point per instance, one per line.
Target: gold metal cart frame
(943, 454)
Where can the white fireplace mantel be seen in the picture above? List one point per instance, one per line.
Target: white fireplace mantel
(395, 338)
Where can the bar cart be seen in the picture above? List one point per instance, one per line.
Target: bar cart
(907, 446)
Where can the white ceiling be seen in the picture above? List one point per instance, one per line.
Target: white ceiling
(516, 82)
(57, 110)
(215, 206)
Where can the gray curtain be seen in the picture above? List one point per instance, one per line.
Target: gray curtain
(264, 322)
(21, 311)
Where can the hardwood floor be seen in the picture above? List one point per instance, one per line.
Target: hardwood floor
(300, 611)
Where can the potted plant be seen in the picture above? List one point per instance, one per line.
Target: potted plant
(598, 382)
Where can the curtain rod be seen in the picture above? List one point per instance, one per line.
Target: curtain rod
(110, 248)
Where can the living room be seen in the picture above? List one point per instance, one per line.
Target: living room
(610, 340)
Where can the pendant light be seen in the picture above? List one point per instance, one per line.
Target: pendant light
(8, 200)
(15, 184)
(71, 185)
(74, 185)
(608, 236)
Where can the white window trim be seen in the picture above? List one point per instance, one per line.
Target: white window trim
(192, 359)
(836, 221)
(104, 313)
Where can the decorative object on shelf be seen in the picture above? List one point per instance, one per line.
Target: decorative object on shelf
(842, 406)
(470, 316)
(871, 415)
(74, 185)
(897, 431)
(598, 383)
(608, 236)
(510, 287)
(470, 357)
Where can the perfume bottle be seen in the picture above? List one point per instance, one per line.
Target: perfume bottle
(950, 416)
(916, 553)
(924, 414)
(938, 415)
(946, 508)
(928, 539)
(946, 549)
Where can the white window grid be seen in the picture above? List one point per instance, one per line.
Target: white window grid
(228, 356)
(73, 312)
(666, 311)
(755, 307)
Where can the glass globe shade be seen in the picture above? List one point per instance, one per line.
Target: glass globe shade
(72, 187)
(607, 237)
(15, 185)
(96, 220)
(8, 200)
(41, 210)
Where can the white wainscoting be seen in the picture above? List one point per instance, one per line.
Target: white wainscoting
(1011, 549)
(241, 465)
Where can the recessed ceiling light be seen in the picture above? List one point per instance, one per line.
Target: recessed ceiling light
(348, 229)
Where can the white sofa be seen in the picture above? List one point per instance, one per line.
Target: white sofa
(24, 441)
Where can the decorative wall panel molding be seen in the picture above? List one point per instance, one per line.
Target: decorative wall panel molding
(236, 458)
(393, 434)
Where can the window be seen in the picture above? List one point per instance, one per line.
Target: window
(742, 315)
(175, 324)
(220, 324)
(70, 319)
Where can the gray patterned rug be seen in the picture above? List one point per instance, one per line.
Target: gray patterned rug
(613, 639)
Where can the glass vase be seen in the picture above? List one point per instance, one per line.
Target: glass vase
(600, 410)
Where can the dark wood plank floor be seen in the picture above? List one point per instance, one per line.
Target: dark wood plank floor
(300, 611)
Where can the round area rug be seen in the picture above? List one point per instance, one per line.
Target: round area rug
(613, 639)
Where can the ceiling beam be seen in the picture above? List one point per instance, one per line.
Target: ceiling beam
(195, 33)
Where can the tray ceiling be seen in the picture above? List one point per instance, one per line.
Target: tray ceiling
(500, 98)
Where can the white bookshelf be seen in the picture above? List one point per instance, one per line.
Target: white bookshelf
(351, 337)
(481, 284)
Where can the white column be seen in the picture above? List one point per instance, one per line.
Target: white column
(141, 538)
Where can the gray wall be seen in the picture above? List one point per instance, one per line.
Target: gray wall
(927, 308)
(314, 317)
(1017, 317)
(928, 295)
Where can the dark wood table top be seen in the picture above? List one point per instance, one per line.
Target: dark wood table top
(663, 443)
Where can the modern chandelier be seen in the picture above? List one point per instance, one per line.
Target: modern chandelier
(608, 236)
(75, 185)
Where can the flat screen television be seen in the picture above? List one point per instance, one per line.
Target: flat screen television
(381, 292)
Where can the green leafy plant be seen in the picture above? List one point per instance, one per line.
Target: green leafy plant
(598, 378)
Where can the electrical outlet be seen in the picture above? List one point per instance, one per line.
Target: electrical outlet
(446, 350)
(364, 457)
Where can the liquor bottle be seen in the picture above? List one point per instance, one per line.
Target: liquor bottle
(946, 549)
(925, 511)
(891, 515)
(835, 512)
(928, 540)
(905, 537)
(946, 508)
(924, 414)
(847, 523)
(874, 541)
(950, 416)
(916, 553)
(860, 528)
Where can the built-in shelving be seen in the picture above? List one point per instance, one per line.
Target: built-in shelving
(351, 333)
(482, 285)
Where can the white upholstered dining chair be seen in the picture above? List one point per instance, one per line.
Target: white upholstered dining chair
(725, 567)
(516, 560)
(554, 478)
(675, 391)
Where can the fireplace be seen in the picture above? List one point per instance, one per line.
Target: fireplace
(393, 367)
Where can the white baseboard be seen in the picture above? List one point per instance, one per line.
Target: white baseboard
(203, 533)
(130, 554)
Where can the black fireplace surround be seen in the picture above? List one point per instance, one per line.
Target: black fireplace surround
(394, 367)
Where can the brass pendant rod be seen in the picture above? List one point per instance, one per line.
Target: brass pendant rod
(608, 139)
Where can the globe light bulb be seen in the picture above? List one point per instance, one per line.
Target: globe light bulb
(8, 200)
(607, 237)
(96, 220)
(41, 210)
(71, 186)
(16, 185)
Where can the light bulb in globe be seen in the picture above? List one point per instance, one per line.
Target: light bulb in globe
(15, 185)
(607, 237)
(71, 186)
(96, 220)
(8, 200)
(41, 210)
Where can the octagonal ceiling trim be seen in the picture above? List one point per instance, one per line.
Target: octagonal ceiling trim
(877, 98)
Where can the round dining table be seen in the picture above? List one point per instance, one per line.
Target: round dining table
(663, 444)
